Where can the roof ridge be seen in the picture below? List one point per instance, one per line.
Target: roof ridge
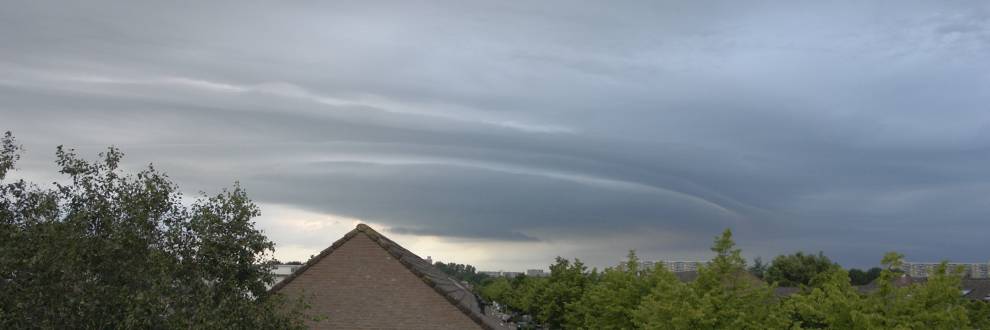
(455, 294)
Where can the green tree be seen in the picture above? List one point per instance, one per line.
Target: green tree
(498, 290)
(565, 285)
(610, 301)
(832, 304)
(798, 269)
(758, 269)
(461, 272)
(979, 314)
(859, 277)
(936, 304)
(111, 250)
(527, 293)
(670, 304)
(724, 296)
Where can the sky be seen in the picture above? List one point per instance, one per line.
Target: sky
(505, 133)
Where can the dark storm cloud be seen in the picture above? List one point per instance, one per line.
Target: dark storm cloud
(852, 128)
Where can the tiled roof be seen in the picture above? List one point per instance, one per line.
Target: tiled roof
(977, 289)
(686, 276)
(690, 276)
(452, 290)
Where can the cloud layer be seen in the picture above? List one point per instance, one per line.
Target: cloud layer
(572, 129)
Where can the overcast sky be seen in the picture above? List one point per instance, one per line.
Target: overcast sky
(504, 133)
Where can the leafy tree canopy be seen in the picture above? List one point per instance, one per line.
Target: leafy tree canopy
(461, 272)
(726, 296)
(108, 249)
(860, 277)
(798, 269)
(759, 268)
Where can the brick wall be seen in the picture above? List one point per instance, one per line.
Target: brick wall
(360, 286)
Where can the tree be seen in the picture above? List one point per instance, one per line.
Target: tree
(758, 269)
(111, 250)
(670, 304)
(609, 303)
(498, 290)
(526, 294)
(935, 304)
(565, 285)
(461, 272)
(979, 314)
(798, 269)
(832, 304)
(724, 296)
(859, 277)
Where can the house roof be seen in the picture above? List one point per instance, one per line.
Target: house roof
(690, 276)
(979, 289)
(454, 293)
(974, 288)
(687, 276)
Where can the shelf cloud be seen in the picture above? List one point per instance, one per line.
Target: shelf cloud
(849, 127)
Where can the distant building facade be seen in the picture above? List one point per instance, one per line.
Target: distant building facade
(676, 266)
(536, 273)
(500, 273)
(925, 269)
(283, 271)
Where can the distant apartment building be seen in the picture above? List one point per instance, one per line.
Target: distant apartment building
(678, 266)
(283, 271)
(501, 273)
(536, 273)
(925, 269)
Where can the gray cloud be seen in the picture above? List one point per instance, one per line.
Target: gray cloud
(852, 128)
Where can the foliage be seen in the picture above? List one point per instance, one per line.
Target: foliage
(111, 250)
(461, 272)
(979, 314)
(832, 304)
(727, 296)
(527, 294)
(937, 304)
(565, 285)
(759, 268)
(724, 296)
(859, 277)
(798, 269)
(611, 299)
(498, 289)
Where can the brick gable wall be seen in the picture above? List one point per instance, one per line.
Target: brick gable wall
(361, 286)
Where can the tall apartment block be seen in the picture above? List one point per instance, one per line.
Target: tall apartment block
(675, 266)
(925, 269)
